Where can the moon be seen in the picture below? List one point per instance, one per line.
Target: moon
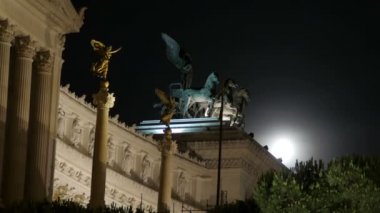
(283, 147)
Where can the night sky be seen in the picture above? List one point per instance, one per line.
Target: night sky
(311, 66)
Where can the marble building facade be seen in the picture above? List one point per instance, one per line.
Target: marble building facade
(134, 162)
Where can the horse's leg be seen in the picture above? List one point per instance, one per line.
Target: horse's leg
(185, 108)
(190, 103)
(206, 110)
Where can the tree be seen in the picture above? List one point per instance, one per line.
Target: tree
(349, 184)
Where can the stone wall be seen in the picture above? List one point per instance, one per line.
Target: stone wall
(133, 165)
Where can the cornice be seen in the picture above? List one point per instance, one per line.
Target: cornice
(60, 13)
(233, 163)
(251, 145)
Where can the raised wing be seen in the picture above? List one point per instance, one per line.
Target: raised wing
(115, 51)
(97, 45)
(164, 98)
(173, 51)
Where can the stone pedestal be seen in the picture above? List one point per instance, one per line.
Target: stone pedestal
(18, 122)
(6, 36)
(104, 101)
(167, 147)
(36, 188)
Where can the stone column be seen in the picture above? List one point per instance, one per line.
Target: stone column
(17, 121)
(6, 36)
(38, 140)
(104, 101)
(167, 147)
(55, 88)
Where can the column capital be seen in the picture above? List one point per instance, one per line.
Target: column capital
(6, 31)
(44, 61)
(25, 47)
(103, 99)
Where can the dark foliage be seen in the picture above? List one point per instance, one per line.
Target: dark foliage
(249, 206)
(65, 206)
(347, 184)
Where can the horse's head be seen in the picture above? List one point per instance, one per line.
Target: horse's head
(212, 80)
(214, 77)
(230, 84)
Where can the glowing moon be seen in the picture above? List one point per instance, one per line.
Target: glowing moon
(283, 148)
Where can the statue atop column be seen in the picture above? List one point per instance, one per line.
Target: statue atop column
(167, 147)
(169, 105)
(103, 100)
(100, 68)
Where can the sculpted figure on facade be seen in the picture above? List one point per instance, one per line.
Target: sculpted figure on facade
(127, 159)
(61, 123)
(145, 167)
(181, 185)
(76, 136)
(111, 151)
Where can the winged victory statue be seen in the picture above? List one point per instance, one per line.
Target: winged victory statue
(169, 106)
(100, 68)
(180, 59)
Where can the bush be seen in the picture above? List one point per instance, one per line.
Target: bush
(348, 184)
(63, 206)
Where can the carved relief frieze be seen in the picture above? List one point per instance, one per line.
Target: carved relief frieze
(231, 163)
(75, 174)
(62, 191)
(65, 191)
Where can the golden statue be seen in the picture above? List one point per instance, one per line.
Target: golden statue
(169, 106)
(100, 68)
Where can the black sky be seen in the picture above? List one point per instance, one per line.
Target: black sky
(311, 66)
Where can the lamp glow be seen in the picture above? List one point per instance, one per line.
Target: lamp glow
(283, 148)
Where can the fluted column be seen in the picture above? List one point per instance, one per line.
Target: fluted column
(17, 121)
(104, 101)
(167, 148)
(6, 36)
(38, 140)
